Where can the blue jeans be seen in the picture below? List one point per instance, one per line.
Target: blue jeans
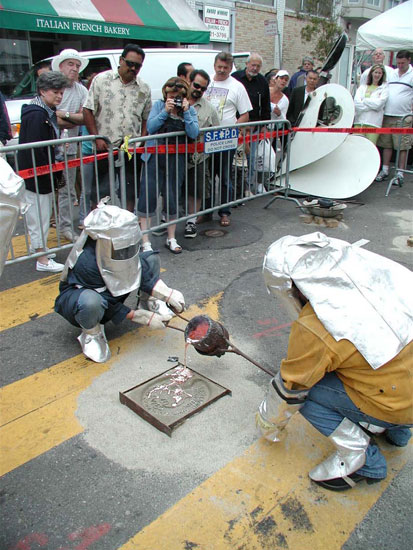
(328, 404)
(164, 176)
(252, 173)
(90, 308)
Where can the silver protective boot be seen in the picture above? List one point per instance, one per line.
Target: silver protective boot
(351, 443)
(94, 344)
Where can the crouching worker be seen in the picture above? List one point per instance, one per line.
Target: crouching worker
(349, 363)
(104, 266)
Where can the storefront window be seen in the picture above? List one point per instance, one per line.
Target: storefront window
(14, 59)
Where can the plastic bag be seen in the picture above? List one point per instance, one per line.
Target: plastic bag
(265, 157)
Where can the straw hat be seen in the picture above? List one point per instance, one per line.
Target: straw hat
(69, 53)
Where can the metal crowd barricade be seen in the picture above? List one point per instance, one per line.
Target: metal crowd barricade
(197, 179)
(20, 249)
(394, 180)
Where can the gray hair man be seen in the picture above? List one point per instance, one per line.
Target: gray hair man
(377, 59)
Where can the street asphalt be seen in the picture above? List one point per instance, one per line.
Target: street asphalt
(118, 474)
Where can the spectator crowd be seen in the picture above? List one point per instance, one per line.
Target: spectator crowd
(117, 103)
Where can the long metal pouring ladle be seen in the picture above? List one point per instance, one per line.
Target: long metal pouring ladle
(213, 338)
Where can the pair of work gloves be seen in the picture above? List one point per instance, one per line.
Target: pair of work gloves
(174, 299)
(277, 409)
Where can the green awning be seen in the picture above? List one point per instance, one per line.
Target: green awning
(159, 20)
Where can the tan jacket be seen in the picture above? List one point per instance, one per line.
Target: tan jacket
(385, 393)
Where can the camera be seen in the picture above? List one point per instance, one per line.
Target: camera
(178, 102)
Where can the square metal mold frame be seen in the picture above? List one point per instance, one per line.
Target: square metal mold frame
(168, 399)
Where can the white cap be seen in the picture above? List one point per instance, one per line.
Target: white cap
(282, 72)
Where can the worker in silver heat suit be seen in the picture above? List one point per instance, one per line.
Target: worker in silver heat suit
(12, 204)
(104, 266)
(349, 363)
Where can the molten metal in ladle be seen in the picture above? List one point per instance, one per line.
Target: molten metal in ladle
(211, 338)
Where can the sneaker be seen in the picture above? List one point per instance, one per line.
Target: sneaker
(190, 231)
(51, 266)
(398, 180)
(382, 175)
(260, 189)
(162, 230)
(147, 247)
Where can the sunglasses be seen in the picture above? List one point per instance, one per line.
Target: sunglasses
(132, 64)
(199, 87)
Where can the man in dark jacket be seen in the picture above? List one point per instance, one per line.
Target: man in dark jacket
(259, 93)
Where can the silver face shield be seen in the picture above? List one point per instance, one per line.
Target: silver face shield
(12, 202)
(117, 235)
(357, 295)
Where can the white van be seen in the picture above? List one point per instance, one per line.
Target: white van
(159, 65)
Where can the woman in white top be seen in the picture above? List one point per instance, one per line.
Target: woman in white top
(370, 100)
(279, 101)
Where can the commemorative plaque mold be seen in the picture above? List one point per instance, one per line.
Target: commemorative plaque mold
(167, 400)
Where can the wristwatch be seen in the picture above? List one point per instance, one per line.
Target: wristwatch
(67, 115)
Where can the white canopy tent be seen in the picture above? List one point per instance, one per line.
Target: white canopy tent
(391, 30)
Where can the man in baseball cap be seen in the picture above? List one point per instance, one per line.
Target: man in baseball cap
(299, 78)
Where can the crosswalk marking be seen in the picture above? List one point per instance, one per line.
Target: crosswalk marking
(26, 302)
(264, 500)
(38, 412)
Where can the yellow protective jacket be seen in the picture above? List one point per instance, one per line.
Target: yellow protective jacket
(385, 393)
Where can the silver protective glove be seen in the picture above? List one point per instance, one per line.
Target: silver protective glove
(148, 318)
(277, 409)
(173, 298)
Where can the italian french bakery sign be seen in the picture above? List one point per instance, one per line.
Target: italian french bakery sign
(60, 24)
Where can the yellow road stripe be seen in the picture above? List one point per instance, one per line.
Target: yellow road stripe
(38, 412)
(25, 302)
(264, 500)
(29, 301)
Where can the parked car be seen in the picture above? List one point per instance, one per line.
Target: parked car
(159, 65)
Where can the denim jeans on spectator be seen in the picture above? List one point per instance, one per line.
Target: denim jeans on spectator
(326, 406)
(90, 308)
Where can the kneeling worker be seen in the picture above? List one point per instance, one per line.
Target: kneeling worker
(104, 266)
(349, 364)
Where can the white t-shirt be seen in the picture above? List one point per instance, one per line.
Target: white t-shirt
(73, 99)
(283, 106)
(400, 100)
(228, 97)
(389, 72)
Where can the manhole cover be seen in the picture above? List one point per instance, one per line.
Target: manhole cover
(214, 233)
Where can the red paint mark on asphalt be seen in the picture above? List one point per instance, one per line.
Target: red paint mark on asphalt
(86, 537)
(89, 535)
(270, 330)
(26, 543)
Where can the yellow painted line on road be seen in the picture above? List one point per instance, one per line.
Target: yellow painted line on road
(29, 301)
(264, 500)
(38, 412)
